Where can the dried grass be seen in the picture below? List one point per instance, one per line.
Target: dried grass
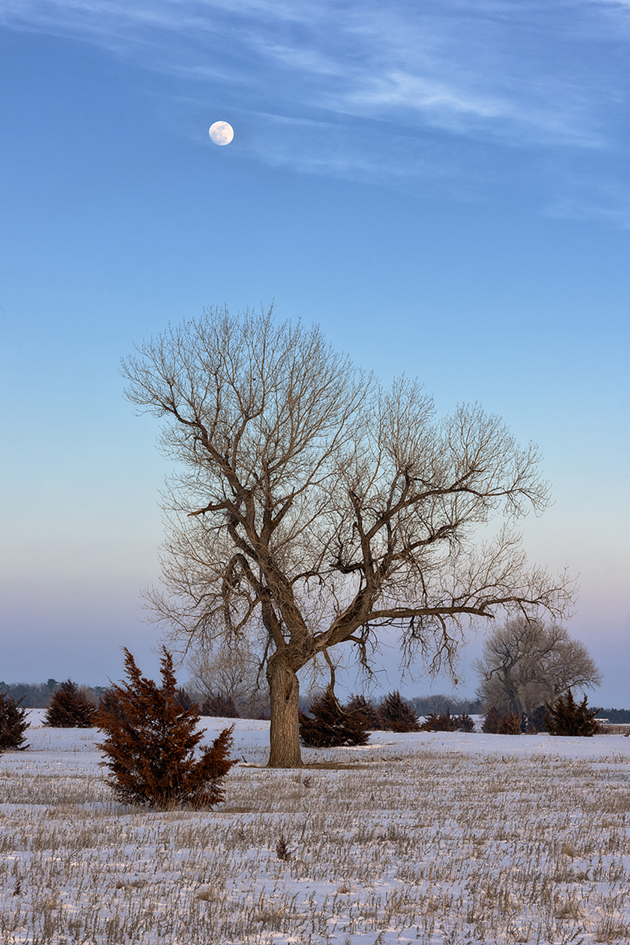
(429, 848)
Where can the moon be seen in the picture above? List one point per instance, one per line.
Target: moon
(221, 132)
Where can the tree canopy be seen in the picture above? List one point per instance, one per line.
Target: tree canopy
(526, 663)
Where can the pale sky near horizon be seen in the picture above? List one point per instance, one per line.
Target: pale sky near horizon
(445, 189)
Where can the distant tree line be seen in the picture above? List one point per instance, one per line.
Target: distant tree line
(324, 723)
(216, 698)
(38, 696)
(455, 705)
(615, 716)
(31, 695)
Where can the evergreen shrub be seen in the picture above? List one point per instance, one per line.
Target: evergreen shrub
(510, 724)
(151, 740)
(108, 702)
(445, 722)
(13, 723)
(367, 709)
(536, 722)
(329, 725)
(397, 715)
(70, 707)
(219, 707)
(492, 721)
(567, 717)
(184, 699)
(438, 722)
(499, 723)
(463, 723)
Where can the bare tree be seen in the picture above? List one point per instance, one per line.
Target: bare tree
(228, 671)
(324, 507)
(233, 672)
(526, 663)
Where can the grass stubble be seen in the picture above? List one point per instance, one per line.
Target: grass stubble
(429, 847)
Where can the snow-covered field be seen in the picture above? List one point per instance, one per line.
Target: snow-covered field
(429, 838)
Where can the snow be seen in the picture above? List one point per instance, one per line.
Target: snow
(433, 838)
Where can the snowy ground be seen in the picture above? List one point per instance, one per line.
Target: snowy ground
(428, 838)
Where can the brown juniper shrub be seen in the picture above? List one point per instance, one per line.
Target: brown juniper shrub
(441, 722)
(510, 724)
(567, 717)
(13, 723)
(151, 740)
(397, 715)
(359, 704)
(219, 707)
(492, 721)
(329, 725)
(463, 723)
(108, 702)
(536, 721)
(70, 707)
(184, 699)
(445, 722)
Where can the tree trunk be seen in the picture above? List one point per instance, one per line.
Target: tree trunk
(284, 735)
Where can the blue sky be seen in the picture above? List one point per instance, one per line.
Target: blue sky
(444, 187)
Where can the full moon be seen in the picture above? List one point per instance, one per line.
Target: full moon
(221, 132)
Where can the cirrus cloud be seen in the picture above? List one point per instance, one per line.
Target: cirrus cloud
(457, 91)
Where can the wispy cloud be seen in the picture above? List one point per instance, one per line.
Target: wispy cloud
(403, 92)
